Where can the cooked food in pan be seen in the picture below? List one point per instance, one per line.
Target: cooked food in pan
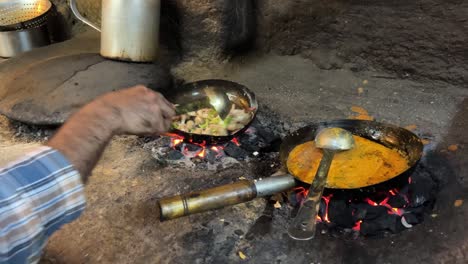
(366, 164)
(207, 121)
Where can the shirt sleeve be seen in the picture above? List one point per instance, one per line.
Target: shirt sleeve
(38, 194)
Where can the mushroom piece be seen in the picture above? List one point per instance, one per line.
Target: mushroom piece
(235, 126)
(190, 124)
(197, 131)
(183, 118)
(203, 113)
(198, 120)
(240, 116)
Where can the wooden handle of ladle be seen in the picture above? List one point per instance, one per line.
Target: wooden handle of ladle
(304, 224)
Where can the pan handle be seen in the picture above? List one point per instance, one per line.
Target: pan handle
(222, 196)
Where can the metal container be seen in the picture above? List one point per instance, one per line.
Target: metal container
(23, 26)
(130, 29)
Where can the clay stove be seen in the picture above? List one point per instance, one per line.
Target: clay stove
(394, 206)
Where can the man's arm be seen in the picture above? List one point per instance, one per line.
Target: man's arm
(38, 194)
(137, 110)
(43, 190)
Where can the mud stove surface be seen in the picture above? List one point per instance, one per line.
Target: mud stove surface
(354, 227)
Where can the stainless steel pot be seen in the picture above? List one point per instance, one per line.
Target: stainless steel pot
(130, 29)
(23, 26)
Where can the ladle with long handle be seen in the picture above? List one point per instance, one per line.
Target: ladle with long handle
(331, 140)
(207, 98)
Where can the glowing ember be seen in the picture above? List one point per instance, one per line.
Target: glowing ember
(357, 226)
(188, 149)
(176, 141)
(369, 201)
(386, 200)
(202, 153)
(301, 194)
(327, 201)
(214, 148)
(235, 141)
(391, 210)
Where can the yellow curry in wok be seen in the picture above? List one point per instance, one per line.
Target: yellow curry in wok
(368, 163)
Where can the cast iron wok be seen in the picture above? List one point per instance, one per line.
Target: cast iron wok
(237, 93)
(242, 191)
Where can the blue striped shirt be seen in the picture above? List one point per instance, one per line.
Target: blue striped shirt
(38, 194)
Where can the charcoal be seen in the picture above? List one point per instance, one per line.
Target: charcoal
(179, 147)
(268, 141)
(211, 156)
(190, 147)
(249, 143)
(174, 155)
(374, 212)
(336, 194)
(340, 213)
(412, 219)
(397, 226)
(397, 201)
(266, 136)
(235, 151)
(359, 211)
(368, 212)
(382, 223)
(418, 211)
(250, 147)
(369, 228)
(273, 146)
(420, 191)
(165, 141)
(405, 190)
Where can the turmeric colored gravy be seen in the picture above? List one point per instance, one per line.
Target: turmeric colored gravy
(368, 163)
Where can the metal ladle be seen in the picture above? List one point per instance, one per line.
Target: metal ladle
(206, 98)
(331, 140)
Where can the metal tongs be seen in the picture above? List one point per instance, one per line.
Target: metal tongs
(208, 98)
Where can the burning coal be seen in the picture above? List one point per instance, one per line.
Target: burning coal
(386, 211)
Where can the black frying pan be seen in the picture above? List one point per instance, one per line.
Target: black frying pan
(237, 93)
(242, 191)
(388, 135)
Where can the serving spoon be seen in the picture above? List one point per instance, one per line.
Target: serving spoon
(330, 140)
(209, 98)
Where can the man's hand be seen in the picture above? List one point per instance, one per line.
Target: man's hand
(137, 110)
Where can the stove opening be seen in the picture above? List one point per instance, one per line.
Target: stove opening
(395, 206)
(260, 141)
